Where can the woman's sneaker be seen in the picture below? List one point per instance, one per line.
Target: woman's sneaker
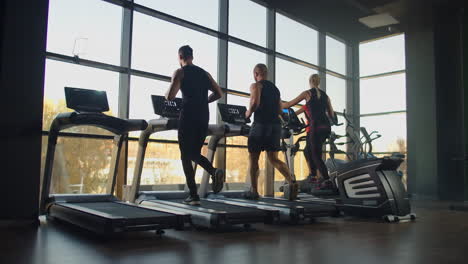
(218, 179)
(192, 200)
(326, 187)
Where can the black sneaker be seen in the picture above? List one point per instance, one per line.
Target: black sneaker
(218, 179)
(249, 195)
(192, 200)
(291, 191)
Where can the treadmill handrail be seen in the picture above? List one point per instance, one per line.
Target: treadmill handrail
(115, 125)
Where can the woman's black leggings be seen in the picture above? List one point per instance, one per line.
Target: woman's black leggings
(314, 146)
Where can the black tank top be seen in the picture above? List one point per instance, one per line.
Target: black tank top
(194, 87)
(318, 108)
(267, 111)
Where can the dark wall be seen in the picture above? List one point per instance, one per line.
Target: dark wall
(23, 42)
(450, 101)
(436, 104)
(465, 88)
(421, 109)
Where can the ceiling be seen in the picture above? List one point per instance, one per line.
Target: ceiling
(340, 17)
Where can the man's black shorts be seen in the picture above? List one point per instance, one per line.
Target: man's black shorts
(191, 137)
(264, 137)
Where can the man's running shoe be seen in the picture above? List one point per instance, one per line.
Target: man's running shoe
(192, 200)
(218, 179)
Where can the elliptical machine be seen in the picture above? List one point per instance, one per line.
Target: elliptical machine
(369, 187)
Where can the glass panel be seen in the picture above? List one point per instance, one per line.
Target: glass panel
(240, 67)
(81, 165)
(60, 74)
(336, 90)
(252, 29)
(162, 167)
(383, 55)
(383, 94)
(336, 55)
(156, 43)
(237, 164)
(204, 12)
(292, 78)
(391, 127)
(296, 40)
(141, 105)
(341, 131)
(79, 28)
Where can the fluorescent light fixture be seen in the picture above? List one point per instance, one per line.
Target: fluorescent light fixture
(379, 20)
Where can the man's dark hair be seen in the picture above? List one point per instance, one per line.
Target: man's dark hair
(186, 52)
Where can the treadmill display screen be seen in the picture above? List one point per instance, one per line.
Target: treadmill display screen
(291, 119)
(165, 108)
(233, 114)
(85, 100)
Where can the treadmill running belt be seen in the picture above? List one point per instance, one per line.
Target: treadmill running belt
(293, 203)
(221, 206)
(123, 210)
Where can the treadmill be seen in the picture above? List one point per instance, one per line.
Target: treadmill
(100, 213)
(290, 211)
(209, 214)
(367, 187)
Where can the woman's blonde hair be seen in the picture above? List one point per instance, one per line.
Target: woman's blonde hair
(314, 81)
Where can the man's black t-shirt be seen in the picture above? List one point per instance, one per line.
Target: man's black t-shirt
(267, 111)
(194, 87)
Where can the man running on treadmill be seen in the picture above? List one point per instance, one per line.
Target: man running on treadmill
(265, 134)
(194, 82)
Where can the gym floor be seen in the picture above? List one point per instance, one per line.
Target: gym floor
(438, 236)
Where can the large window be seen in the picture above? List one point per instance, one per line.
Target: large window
(241, 62)
(296, 40)
(247, 21)
(90, 43)
(156, 44)
(383, 93)
(292, 78)
(336, 55)
(383, 55)
(336, 90)
(203, 13)
(79, 28)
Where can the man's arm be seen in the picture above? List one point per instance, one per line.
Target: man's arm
(175, 84)
(255, 92)
(216, 90)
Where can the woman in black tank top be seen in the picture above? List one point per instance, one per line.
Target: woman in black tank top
(317, 109)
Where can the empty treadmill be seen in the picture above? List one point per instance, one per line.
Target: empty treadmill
(209, 214)
(290, 211)
(100, 213)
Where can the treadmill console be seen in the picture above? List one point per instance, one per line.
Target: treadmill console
(233, 114)
(291, 121)
(165, 108)
(85, 100)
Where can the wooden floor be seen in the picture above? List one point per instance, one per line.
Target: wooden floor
(438, 236)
